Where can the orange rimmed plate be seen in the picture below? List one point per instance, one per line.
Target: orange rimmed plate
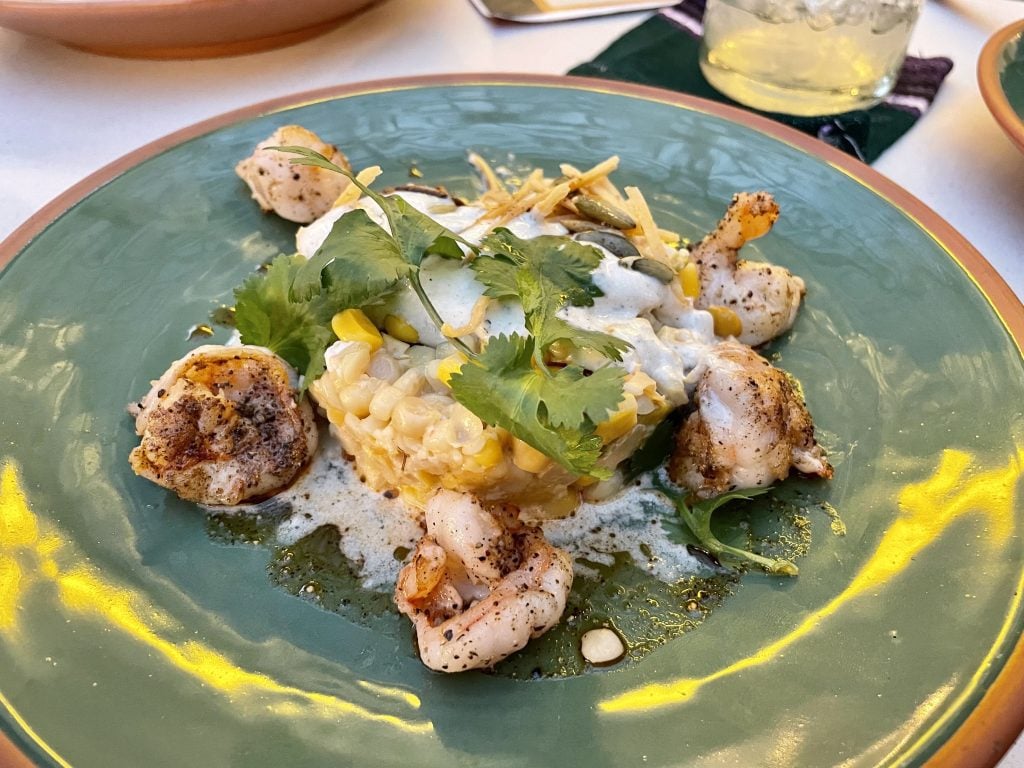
(128, 637)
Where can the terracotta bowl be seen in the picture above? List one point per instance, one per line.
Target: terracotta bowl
(1001, 79)
(174, 29)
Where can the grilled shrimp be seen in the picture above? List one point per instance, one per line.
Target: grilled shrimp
(299, 193)
(480, 584)
(749, 428)
(764, 296)
(222, 425)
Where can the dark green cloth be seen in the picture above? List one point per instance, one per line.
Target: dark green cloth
(660, 53)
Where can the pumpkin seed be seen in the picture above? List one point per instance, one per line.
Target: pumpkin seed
(654, 268)
(579, 225)
(422, 189)
(611, 241)
(600, 211)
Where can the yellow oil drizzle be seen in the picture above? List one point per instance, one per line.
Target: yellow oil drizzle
(391, 692)
(927, 508)
(30, 554)
(18, 531)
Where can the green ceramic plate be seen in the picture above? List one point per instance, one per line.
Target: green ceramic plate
(128, 637)
(1001, 77)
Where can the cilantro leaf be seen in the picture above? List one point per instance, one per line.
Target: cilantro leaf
(554, 413)
(573, 398)
(655, 449)
(297, 331)
(416, 234)
(540, 306)
(311, 157)
(358, 261)
(556, 329)
(561, 263)
(497, 275)
(698, 520)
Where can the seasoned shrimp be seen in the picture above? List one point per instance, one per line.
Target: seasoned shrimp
(749, 428)
(480, 584)
(764, 296)
(299, 193)
(222, 425)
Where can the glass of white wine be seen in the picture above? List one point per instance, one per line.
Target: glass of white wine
(806, 57)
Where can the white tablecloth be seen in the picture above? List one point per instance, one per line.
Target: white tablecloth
(64, 114)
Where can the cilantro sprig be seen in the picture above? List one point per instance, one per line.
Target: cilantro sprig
(545, 274)
(300, 332)
(508, 383)
(698, 519)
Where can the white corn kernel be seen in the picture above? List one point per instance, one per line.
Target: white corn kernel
(411, 382)
(384, 402)
(411, 416)
(356, 397)
(463, 426)
(384, 367)
(348, 360)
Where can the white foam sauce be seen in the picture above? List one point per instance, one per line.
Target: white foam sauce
(624, 523)
(372, 527)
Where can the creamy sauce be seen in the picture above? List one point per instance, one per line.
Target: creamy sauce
(374, 527)
(668, 338)
(628, 523)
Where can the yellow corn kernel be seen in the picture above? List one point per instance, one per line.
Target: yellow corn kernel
(416, 495)
(689, 279)
(528, 458)
(727, 322)
(353, 325)
(560, 506)
(490, 454)
(334, 415)
(450, 365)
(620, 422)
(397, 328)
(560, 351)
